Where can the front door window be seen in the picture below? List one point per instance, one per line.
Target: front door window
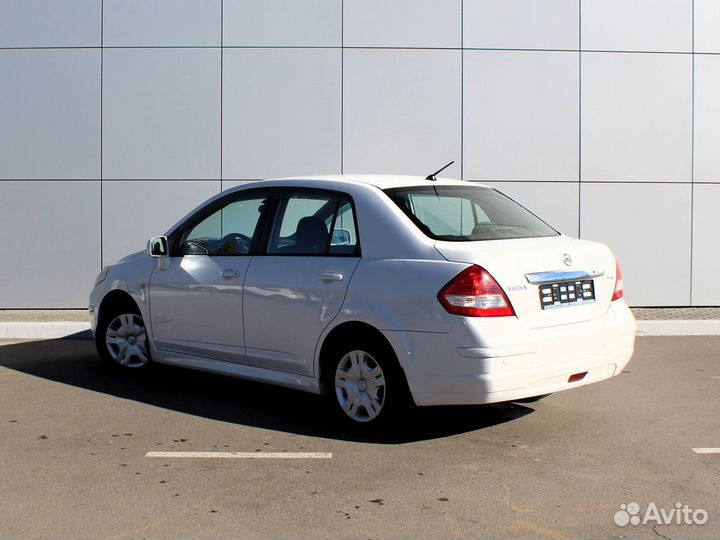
(229, 231)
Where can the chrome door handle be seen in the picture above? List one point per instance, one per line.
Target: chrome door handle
(331, 276)
(229, 274)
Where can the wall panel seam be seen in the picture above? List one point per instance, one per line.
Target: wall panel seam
(462, 89)
(102, 79)
(222, 68)
(359, 47)
(342, 86)
(579, 179)
(692, 159)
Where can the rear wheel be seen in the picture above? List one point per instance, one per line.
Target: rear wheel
(365, 384)
(121, 338)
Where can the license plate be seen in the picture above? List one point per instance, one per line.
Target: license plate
(566, 293)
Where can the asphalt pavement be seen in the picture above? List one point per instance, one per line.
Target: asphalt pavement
(74, 437)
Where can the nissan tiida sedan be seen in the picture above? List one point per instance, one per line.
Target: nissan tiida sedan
(378, 291)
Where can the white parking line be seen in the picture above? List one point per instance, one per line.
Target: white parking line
(706, 450)
(241, 455)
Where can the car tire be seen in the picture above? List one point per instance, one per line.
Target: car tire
(365, 384)
(121, 338)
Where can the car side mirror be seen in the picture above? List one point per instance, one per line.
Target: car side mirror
(340, 237)
(158, 247)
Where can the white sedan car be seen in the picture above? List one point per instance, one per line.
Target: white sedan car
(379, 291)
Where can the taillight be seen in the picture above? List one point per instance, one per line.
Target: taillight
(475, 293)
(619, 291)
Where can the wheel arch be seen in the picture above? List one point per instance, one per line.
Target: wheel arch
(114, 303)
(353, 330)
(117, 298)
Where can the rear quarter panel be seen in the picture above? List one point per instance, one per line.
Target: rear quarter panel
(400, 295)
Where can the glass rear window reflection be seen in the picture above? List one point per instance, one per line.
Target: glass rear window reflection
(467, 214)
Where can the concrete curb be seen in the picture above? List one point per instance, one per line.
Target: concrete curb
(44, 330)
(80, 330)
(679, 328)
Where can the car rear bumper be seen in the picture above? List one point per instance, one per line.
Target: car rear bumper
(493, 360)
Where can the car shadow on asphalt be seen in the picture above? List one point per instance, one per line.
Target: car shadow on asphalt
(75, 362)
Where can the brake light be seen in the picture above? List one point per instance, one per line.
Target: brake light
(475, 293)
(619, 291)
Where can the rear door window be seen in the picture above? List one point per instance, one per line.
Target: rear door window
(314, 223)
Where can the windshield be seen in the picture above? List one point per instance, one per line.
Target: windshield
(467, 213)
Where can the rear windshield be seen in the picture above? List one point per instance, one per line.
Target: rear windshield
(467, 213)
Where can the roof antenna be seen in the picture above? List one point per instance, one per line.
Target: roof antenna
(433, 176)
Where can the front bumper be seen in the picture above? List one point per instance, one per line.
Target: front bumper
(92, 312)
(493, 360)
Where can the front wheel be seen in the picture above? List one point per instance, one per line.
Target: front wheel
(121, 339)
(365, 384)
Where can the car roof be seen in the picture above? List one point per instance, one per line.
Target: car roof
(384, 181)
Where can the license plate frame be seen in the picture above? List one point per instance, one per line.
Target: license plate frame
(566, 293)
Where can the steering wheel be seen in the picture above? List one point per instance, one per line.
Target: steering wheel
(240, 241)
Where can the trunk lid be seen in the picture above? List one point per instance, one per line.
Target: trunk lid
(510, 261)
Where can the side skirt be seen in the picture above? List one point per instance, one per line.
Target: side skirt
(241, 371)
